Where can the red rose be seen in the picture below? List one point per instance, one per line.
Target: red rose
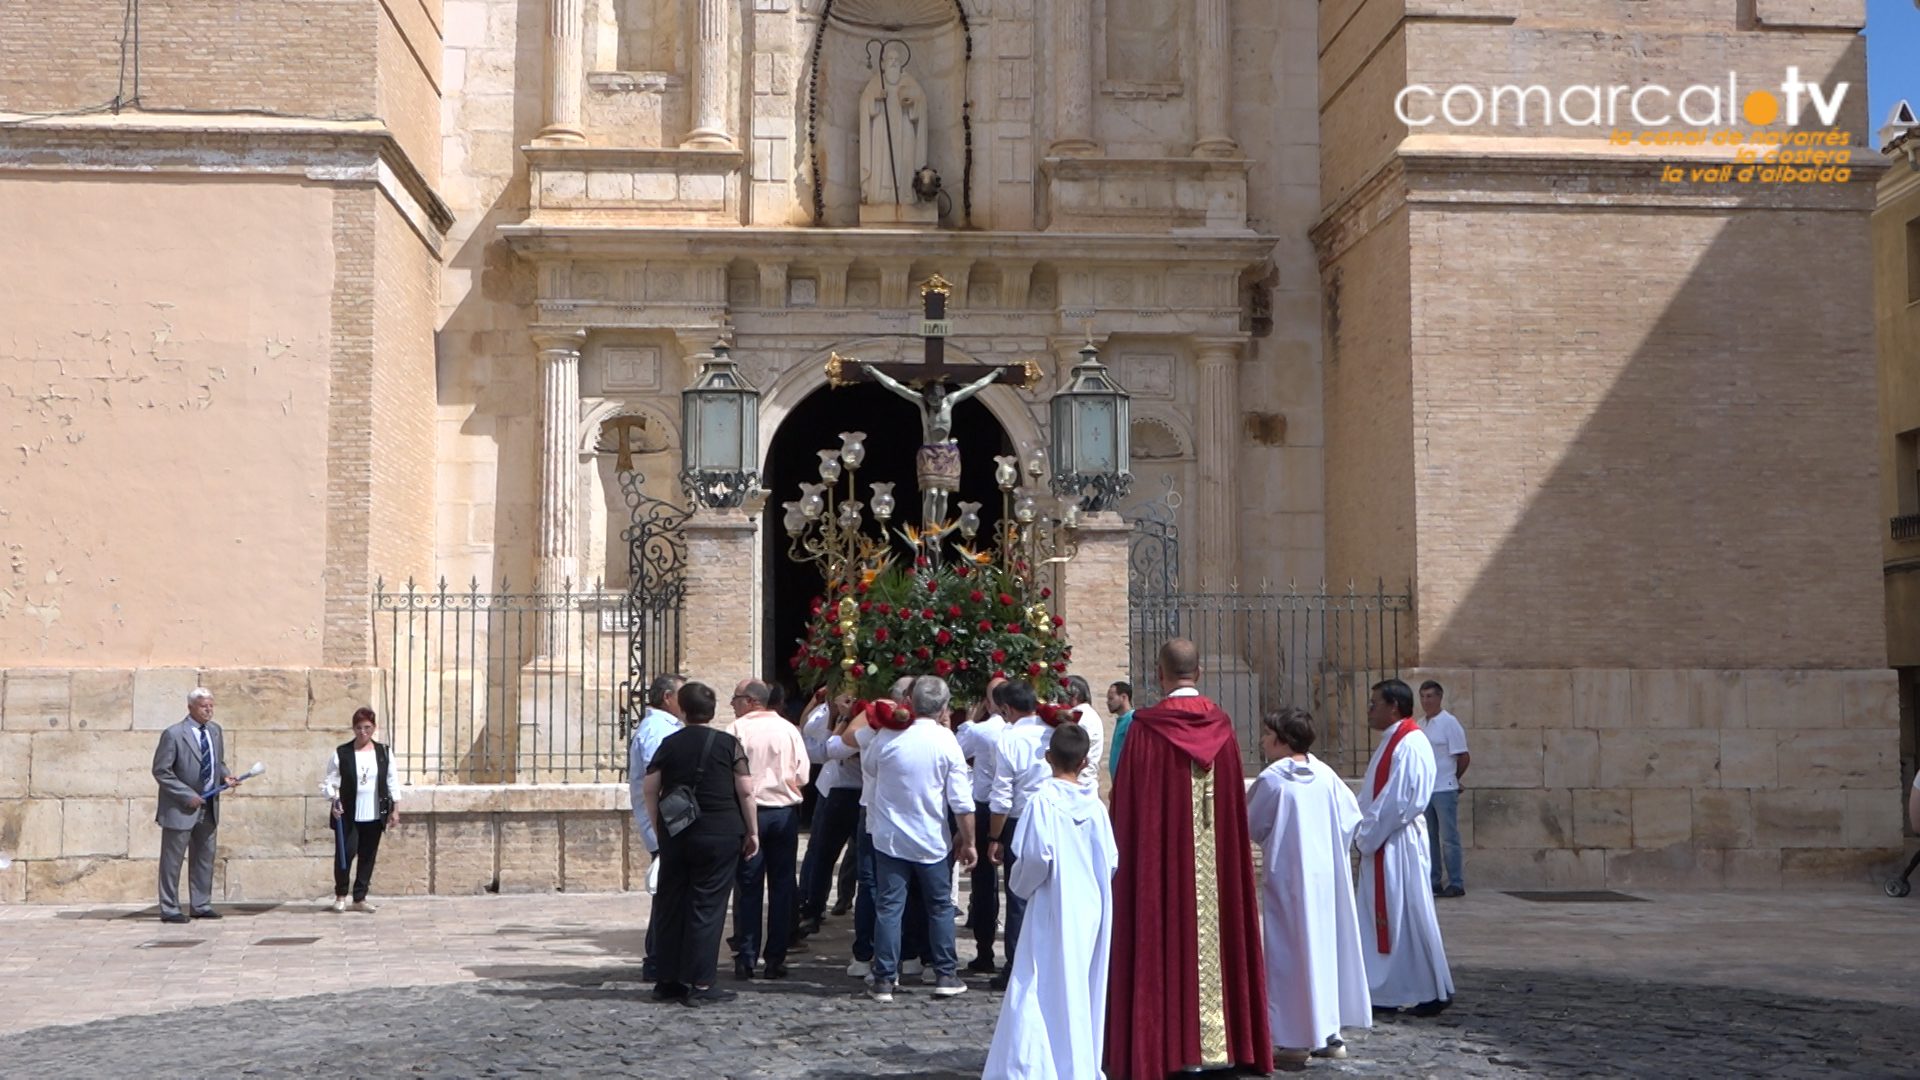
(880, 634)
(1034, 669)
(944, 637)
(886, 609)
(899, 659)
(866, 606)
(942, 668)
(862, 587)
(1060, 667)
(961, 571)
(976, 596)
(822, 662)
(998, 656)
(999, 674)
(834, 630)
(858, 671)
(963, 665)
(927, 614)
(923, 652)
(953, 612)
(1005, 600)
(1013, 628)
(816, 605)
(794, 663)
(1058, 621)
(986, 627)
(1045, 593)
(920, 561)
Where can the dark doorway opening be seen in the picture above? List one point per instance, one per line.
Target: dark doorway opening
(893, 435)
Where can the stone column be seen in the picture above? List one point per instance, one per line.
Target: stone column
(559, 535)
(565, 73)
(1213, 21)
(720, 621)
(1094, 603)
(711, 50)
(1073, 79)
(1218, 420)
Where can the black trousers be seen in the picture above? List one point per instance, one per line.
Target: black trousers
(696, 877)
(355, 840)
(983, 904)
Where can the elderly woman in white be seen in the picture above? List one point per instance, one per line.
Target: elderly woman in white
(365, 790)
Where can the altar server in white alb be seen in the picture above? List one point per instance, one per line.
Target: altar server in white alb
(1053, 1020)
(1303, 817)
(1400, 937)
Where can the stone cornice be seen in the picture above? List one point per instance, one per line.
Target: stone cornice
(542, 242)
(672, 159)
(1568, 173)
(326, 151)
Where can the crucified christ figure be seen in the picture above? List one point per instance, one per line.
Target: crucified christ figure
(937, 465)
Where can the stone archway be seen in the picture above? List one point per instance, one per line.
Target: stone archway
(791, 438)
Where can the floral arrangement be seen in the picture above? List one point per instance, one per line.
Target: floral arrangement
(967, 620)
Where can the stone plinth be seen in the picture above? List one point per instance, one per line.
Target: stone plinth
(899, 216)
(719, 630)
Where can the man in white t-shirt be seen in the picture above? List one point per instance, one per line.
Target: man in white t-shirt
(1450, 760)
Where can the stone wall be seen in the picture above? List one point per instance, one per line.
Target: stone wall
(77, 796)
(1650, 779)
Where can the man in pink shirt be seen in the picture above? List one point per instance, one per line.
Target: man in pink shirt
(777, 765)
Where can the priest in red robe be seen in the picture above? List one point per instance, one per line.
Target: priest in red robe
(1187, 984)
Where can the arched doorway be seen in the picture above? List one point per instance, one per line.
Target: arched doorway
(893, 434)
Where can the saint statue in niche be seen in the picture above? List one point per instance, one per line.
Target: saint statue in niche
(893, 140)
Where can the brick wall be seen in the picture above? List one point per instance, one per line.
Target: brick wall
(406, 304)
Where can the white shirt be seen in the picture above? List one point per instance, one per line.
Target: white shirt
(913, 778)
(654, 727)
(978, 742)
(1089, 718)
(837, 767)
(1443, 730)
(366, 777)
(1019, 765)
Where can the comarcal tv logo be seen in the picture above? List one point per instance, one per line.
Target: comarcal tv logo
(1701, 114)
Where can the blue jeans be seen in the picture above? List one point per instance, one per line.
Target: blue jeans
(891, 879)
(913, 936)
(1016, 904)
(1443, 826)
(835, 818)
(772, 867)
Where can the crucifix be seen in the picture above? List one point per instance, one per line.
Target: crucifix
(934, 387)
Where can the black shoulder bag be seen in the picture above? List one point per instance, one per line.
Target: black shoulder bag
(680, 808)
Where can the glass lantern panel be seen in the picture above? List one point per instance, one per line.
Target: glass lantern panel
(1095, 440)
(720, 432)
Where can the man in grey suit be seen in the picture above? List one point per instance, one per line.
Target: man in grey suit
(191, 765)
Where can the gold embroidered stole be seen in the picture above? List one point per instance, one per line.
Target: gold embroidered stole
(1206, 888)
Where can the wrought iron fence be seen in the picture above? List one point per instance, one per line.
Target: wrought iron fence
(505, 687)
(1321, 651)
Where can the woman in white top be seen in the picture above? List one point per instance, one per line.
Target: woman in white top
(361, 783)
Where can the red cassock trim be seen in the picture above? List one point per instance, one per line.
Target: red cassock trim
(1401, 731)
(1153, 999)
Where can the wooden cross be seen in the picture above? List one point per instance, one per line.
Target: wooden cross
(934, 328)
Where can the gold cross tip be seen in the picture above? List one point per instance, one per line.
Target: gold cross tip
(936, 284)
(836, 370)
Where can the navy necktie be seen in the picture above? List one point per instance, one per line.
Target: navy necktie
(206, 763)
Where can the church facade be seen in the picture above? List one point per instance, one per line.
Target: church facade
(331, 294)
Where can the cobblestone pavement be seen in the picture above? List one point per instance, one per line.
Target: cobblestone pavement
(1684, 986)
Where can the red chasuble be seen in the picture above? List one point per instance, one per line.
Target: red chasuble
(1170, 1005)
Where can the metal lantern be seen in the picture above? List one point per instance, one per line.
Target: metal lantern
(1091, 456)
(720, 434)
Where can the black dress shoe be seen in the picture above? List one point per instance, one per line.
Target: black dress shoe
(669, 991)
(742, 971)
(980, 965)
(998, 982)
(207, 913)
(807, 928)
(176, 917)
(776, 971)
(1430, 1008)
(712, 995)
(841, 908)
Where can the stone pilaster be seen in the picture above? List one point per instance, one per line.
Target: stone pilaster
(1218, 416)
(1094, 603)
(1213, 21)
(564, 73)
(558, 553)
(1073, 79)
(711, 78)
(719, 623)
(833, 281)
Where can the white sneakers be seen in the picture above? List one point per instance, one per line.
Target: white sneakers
(364, 908)
(338, 906)
(860, 969)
